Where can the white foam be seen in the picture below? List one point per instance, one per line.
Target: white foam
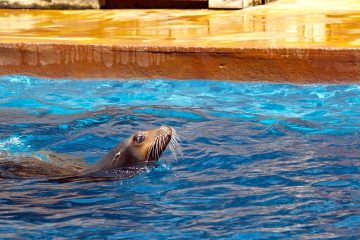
(12, 143)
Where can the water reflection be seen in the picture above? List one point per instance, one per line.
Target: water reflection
(272, 26)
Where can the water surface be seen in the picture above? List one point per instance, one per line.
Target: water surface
(260, 160)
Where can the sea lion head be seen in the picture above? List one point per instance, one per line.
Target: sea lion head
(147, 146)
(140, 148)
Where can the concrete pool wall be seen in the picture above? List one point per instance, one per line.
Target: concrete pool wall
(286, 41)
(246, 64)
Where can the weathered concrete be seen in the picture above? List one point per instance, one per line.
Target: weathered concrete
(239, 64)
(280, 42)
(52, 4)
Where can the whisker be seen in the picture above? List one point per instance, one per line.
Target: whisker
(157, 148)
(175, 135)
(177, 149)
(150, 149)
(174, 145)
(173, 151)
(159, 142)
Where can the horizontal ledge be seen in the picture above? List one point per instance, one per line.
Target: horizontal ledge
(174, 49)
(99, 61)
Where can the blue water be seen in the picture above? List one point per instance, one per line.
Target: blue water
(261, 161)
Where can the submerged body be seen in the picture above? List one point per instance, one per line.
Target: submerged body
(140, 149)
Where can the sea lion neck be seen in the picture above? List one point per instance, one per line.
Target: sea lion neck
(114, 159)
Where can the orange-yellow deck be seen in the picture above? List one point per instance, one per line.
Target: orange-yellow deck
(298, 36)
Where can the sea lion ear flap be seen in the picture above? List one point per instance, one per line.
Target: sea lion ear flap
(117, 155)
(116, 158)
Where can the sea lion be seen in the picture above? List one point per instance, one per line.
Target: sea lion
(129, 156)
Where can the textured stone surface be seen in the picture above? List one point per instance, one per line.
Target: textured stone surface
(53, 4)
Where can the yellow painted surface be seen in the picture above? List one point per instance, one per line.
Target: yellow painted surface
(287, 23)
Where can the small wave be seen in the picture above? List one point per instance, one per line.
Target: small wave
(13, 144)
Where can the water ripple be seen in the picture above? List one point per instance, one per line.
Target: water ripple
(261, 160)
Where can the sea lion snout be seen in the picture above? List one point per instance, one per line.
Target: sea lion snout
(166, 130)
(159, 139)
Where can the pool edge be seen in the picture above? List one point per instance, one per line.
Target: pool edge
(91, 61)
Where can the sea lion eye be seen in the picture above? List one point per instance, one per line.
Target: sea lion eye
(139, 138)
